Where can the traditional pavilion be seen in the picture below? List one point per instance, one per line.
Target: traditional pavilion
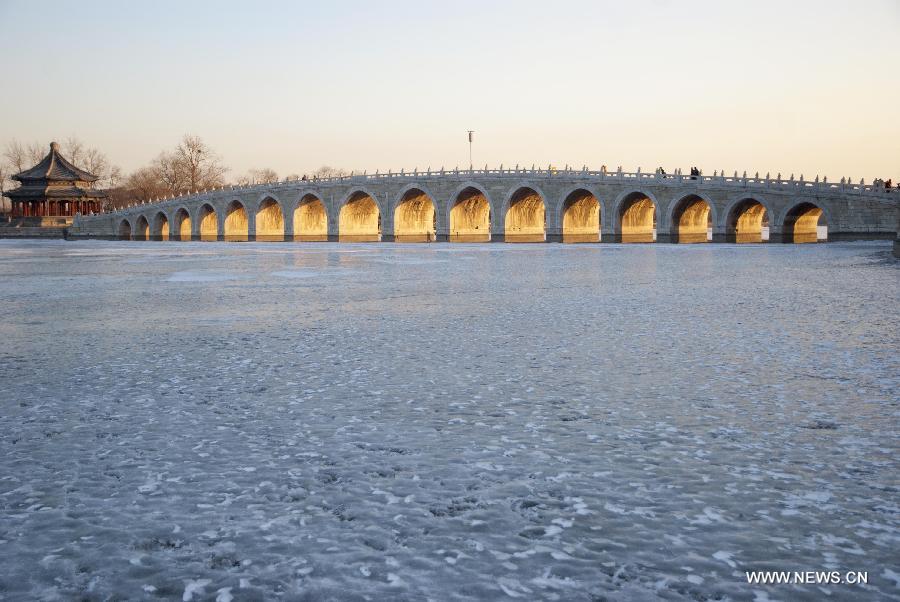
(55, 188)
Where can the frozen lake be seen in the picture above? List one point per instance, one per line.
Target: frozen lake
(446, 422)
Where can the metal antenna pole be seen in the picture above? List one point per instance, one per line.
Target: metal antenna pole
(470, 148)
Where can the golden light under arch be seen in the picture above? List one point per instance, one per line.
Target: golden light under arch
(182, 225)
(269, 221)
(359, 219)
(237, 224)
(310, 219)
(160, 227)
(637, 218)
(691, 220)
(470, 217)
(414, 217)
(581, 217)
(526, 216)
(745, 221)
(209, 223)
(801, 224)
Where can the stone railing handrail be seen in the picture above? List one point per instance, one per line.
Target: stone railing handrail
(737, 181)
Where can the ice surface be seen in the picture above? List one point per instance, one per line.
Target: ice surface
(447, 422)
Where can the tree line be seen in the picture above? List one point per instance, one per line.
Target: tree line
(190, 166)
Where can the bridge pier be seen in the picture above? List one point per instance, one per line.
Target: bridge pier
(776, 235)
(849, 236)
(388, 238)
(665, 238)
(554, 238)
(251, 225)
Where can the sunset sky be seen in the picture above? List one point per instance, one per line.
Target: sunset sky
(802, 87)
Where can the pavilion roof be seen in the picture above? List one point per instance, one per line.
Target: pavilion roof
(54, 192)
(55, 168)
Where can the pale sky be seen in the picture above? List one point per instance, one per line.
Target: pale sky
(802, 87)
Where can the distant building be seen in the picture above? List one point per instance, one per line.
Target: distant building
(54, 188)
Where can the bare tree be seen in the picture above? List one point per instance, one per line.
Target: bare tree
(326, 171)
(73, 150)
(168, 173)
(20, 157)
(145, 184)
(200, 166)
(5, 184)
(191, 166)
(92, 160)
(261, 176)
(16, 158)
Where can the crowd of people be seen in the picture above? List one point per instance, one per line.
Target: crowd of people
(695, 172)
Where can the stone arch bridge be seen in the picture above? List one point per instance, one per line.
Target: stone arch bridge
(513, 205)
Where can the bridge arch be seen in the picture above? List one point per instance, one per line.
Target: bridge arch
(207, 222)
(415, 215)
(580, 215)
(269, 219)
(636, 216)
(800, 222)
(160, 227)
(359, 219)
(124, 230)
(469, 214)
(745, 216)
(690, 218)
(310, 218)
(142, 228)
(524, 214)
(237, 222)
(181, 225)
